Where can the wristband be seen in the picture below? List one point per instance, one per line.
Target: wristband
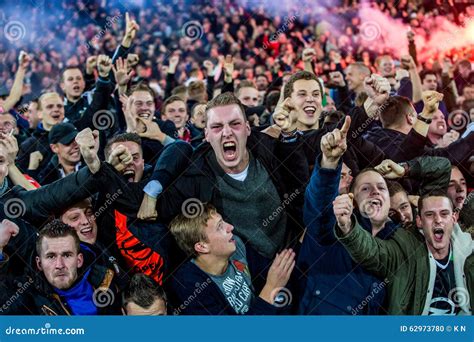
(425, 120)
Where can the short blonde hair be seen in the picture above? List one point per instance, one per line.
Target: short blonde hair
(188, 229)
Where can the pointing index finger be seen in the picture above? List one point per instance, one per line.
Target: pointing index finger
(345, 127)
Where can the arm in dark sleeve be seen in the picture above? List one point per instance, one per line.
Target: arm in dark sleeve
(120, 52)
(210, 87)
(412, 146)
(90, 81)
(53, 198)
(122, 124)
(322, 189)
(406, 88)
(457, 152)
(228, 87)
(170, 84)
(100, 101)
(449, 96)
(433, 172)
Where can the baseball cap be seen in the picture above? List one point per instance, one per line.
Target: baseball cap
(63, 133)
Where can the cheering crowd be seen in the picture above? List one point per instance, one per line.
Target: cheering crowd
(146, 169)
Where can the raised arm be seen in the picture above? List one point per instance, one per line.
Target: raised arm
(17, 88)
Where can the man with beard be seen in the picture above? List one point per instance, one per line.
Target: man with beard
(429, 273)
(68, 282)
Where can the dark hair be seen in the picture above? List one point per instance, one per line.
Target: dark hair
(394, 188)
(300, 75)
(124, 137)
(330, 117)
(143, 291)
(424, 73)
(434, 193)
(56, 229)
(195, 105)
(393, 111)
(71, 67)
(225, 99)
(466, 216)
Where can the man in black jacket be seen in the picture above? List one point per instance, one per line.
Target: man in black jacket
(35, 152)
(239, 174)
(67, 284)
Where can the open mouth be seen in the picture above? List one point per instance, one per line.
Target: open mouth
(76, 88)
(56, 116)
(375, 202)
(144, 115)
(87, 231)
(230, 150)
(438, 234)
(129, 175)
(232, 240)
(309, 110)
(459, 199)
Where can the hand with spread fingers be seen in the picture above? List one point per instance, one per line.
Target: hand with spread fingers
(278, 274)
